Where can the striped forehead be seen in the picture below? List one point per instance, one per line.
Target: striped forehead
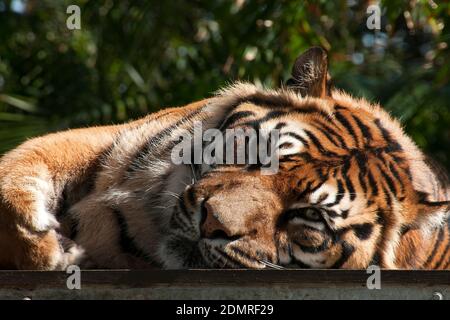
(247, 111)
(268, 119)
(293, 129)
(348, 133)
(331, 197)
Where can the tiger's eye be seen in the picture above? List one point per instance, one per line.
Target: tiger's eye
(312, 214)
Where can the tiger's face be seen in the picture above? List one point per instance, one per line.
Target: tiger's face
(345, 194)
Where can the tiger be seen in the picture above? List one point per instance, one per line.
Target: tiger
(351, 189)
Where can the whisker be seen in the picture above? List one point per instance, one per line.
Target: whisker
(164, 207)
(350, 193)
(271, 265)
(185, 184)
(172, 194)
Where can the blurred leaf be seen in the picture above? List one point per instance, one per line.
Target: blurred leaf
(18, 102)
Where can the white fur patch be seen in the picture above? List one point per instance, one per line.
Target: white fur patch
(434, 221)
(324, 189)
(311, 259)
(316, 225)
(42, 219)
(297, 145)
(74, 256)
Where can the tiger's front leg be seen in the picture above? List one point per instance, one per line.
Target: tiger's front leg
(33, 178)
(29, 231)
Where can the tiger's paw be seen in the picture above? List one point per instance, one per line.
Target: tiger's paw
(71, 254)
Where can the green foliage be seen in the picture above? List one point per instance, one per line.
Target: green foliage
(134, 57)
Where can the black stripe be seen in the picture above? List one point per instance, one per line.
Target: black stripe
(296, 136)
(387, 195)
(300, 213)
(445, 267)
(340, 194)
(437, 244)
(373, 183)
(347, 180)
(176, 222)
(396, 175)
(191, 196)
(335, 172)
(143, 152)
(272, 115)
(280, 125)
(77, 190)
(302, 194)
(319, 146)
(331, 213)
(388, 180)
(308, 249)
(256, 124)
(346, 124)
(242, 254)
(361, 161)
(444, 254)
(227, 259)
(126, 242)
(376, 259)
(271, 101)
(345, 213)
(333, 132)
(285, 145)
(423, 199)
(301, 264)
(362, 182)
(283, 102)
(392, 146)
(381, 218)
(404, 229)
(182, 204)
(303, 155)
(363, 231)
(321, 172)
(365, 130)
(235, 117)
(382, 221)
(317, 187)
(300, 182)
(327, 135)
(347, 251)
(398, 158)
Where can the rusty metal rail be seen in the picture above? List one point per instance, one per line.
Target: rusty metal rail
(225, 284)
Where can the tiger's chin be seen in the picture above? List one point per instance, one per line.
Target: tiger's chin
(178, 252)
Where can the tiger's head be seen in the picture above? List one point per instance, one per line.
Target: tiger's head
(351, 189)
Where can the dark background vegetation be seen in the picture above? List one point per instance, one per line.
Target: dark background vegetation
(134, 57)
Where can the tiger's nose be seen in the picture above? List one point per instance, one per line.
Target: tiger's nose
(211, 227)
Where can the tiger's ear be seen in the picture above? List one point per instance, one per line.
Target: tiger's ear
(310, 73)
